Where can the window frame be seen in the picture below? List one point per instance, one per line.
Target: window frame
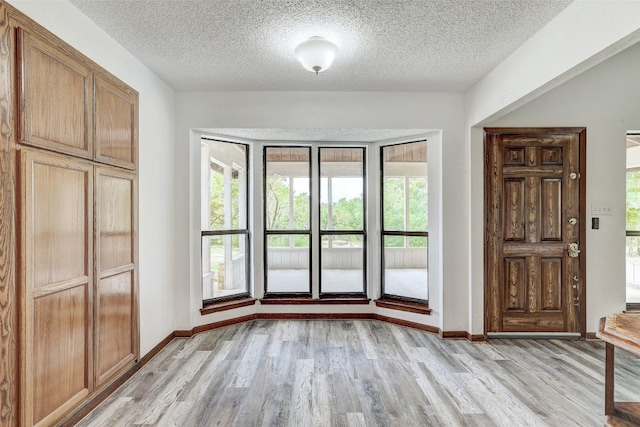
(322, 233)
(287, 232)
(629, 233)
(390, 233)
(226, 232)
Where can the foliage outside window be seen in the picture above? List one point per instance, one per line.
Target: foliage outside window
(404, 208)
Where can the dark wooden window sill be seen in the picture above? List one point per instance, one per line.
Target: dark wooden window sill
(311, 301)
(633, 307)
(396, 304)
(227, 305)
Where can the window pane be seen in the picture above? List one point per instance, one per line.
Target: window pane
(633, 269)
(405, 268)
(633, 199)
(341, 188)
(393, 204)
(224, 266)
(342, 264)
(418, 202)
(405, 187)
(288, 264)
(287, 184)
(633, 218)
(225, 202)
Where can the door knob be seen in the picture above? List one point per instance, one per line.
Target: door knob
(573, 250)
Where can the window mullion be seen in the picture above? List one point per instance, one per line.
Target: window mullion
(406, 208)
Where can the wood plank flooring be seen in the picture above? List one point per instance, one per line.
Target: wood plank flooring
(365, 373)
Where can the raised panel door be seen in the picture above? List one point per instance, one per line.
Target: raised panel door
(116, 123)
(116, 327)
(534, 280)
(55, 98)
(56, 273)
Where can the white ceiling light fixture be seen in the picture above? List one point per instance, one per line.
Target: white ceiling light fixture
(316, 54)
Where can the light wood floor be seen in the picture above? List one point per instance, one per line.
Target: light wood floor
(365, 373)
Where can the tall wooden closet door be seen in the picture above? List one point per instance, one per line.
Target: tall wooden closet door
(56, 273)
(116, 314)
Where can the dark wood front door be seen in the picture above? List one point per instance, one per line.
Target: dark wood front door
(534, 251)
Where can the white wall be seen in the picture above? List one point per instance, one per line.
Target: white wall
(157, 273)
(585, 33)
(205, 110)
(606, 100)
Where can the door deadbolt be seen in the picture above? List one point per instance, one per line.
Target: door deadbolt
(573, 221)
(573, 175)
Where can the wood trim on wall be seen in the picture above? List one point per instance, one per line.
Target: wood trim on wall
(396, 304)
(454, 335)
(582, 206)
(8, 307)
(332, 300)
(227, 305)
(414, 325)
(476, 337)
(316, 316)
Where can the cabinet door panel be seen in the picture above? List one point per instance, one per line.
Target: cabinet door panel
(116, 323)
(114, 320)
(115, 123)
(56, 273)
(56, 98)
(60, 350)
(115, 215)
(60, 223)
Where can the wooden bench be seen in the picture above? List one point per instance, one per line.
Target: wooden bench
(619, 330)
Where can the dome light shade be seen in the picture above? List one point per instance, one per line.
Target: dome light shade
(316, 54)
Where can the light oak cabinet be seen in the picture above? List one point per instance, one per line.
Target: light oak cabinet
(69, 150)
(68, 107)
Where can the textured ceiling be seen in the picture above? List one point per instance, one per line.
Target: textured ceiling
(385, 45)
